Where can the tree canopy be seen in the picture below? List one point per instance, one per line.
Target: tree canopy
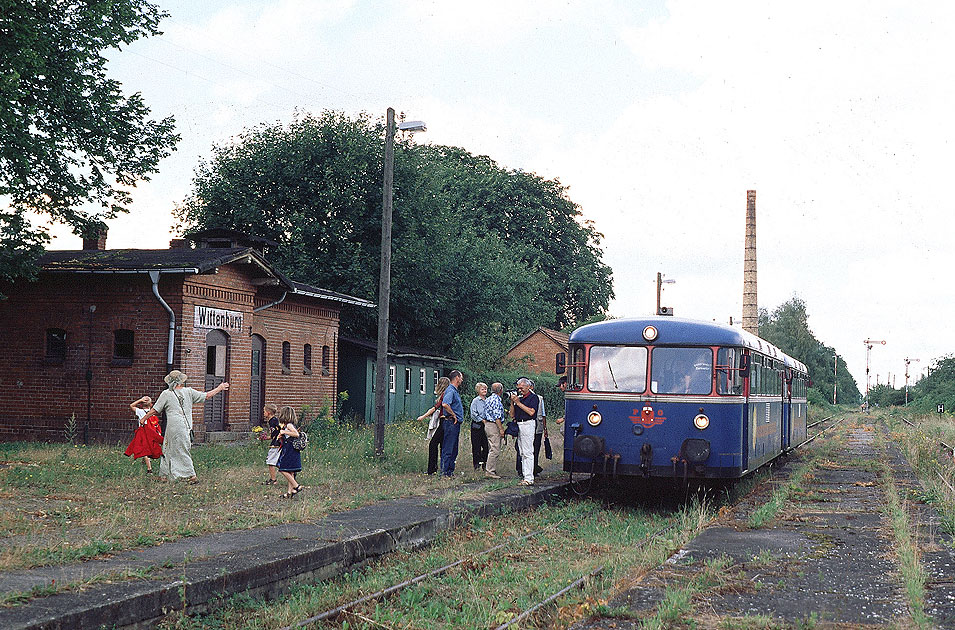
(477, 249)
(68, 135)
(787, 327)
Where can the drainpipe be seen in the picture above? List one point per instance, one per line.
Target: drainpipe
(154, 276)
(275, 303)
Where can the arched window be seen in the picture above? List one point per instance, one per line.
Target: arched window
(307, 359)
(326, 361)
(123, 347)
(55, 345)
(286, 357)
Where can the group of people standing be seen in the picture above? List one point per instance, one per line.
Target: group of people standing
(172, 444)
(487, 419)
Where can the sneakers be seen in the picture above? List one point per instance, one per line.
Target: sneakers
(492, 475)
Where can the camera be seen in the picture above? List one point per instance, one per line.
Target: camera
(511, 393)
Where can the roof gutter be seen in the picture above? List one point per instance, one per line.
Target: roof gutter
(154, 276)
(275, 303)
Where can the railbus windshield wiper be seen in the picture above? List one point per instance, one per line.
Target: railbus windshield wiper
(615, 386)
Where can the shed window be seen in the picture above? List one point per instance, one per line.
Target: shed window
(436, 377)
(55, 345)
(286, 357)
(407, 380)
(424, 381)
(123, 347)
(307, 359)
(391, 379)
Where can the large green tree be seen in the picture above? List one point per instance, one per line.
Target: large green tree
(68, 135)
(477, 249)
(787, 327)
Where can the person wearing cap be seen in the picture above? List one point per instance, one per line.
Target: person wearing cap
(177, 402)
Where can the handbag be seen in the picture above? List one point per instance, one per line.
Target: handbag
(548, 451)
(301, 442)
(512, 429)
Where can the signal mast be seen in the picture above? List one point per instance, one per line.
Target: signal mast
(868, 351)
(907, 361)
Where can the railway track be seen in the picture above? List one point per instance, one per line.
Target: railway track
(348, 610)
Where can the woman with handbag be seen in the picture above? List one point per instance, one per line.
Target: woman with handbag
(435, 430)
(479, 444)
(290, 459)
(177, 402)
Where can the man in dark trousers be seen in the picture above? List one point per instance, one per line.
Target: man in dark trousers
(451, 426)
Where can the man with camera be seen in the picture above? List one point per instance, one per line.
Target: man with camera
(524, 406)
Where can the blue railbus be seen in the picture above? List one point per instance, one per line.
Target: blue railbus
(672, 397)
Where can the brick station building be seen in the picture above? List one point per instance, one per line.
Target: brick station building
(101, 327)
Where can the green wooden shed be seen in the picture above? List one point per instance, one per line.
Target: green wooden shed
(412, 375)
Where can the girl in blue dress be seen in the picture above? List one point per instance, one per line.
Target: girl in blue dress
(290, 460)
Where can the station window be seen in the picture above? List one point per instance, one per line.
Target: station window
(286, 357)
(307, 359)
(123, 347)
(424, 381)
(55, 345)
(326, 361)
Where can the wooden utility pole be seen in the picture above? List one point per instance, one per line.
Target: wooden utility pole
(384, 286)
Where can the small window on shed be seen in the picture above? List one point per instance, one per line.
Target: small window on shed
(123, 347)
(407, 380)
(391, 379)
(424, 381)
(55, 345)
(436, 377)
(326, 361)
(307, 360)
(286, 357)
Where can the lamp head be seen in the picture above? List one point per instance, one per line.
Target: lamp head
(412, 125)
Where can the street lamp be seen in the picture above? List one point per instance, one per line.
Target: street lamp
(384, 279)
(907, 361)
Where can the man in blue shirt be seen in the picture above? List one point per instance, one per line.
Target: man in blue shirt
(494, 429)
(451, 426)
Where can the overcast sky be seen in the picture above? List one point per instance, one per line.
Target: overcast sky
(659, 116)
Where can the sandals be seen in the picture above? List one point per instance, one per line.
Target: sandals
(297, 489)
(287, 495)
(192, 481)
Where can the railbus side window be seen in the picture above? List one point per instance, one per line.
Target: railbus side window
(577, 369)
(682, 371)
(617, 369)
(729, 379)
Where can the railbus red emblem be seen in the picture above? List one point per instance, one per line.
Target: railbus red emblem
(646, 417)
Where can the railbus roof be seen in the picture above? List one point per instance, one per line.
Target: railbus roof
(678, 331)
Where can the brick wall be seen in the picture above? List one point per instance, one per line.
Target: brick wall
(37, 397)
(537, 353)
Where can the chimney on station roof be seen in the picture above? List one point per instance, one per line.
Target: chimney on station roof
(750, 309)
(94, 237)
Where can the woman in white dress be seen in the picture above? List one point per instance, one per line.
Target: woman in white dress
(177, 402)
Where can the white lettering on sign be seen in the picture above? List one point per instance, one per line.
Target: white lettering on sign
(206, 317)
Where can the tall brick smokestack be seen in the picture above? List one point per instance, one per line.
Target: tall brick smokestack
(750, 310)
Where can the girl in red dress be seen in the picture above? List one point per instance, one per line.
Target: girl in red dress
(147, 441)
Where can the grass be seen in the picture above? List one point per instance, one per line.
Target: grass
(769, 510)
(574, 539)
(62, 503)
(676, 604)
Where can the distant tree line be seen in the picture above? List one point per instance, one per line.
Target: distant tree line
(787, 328)
(481, 254)
(926, 393)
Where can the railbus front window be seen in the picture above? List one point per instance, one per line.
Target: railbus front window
(682, 371)
(617, 369)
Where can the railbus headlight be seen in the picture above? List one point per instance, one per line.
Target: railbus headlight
(594, 418)
(701, 421)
